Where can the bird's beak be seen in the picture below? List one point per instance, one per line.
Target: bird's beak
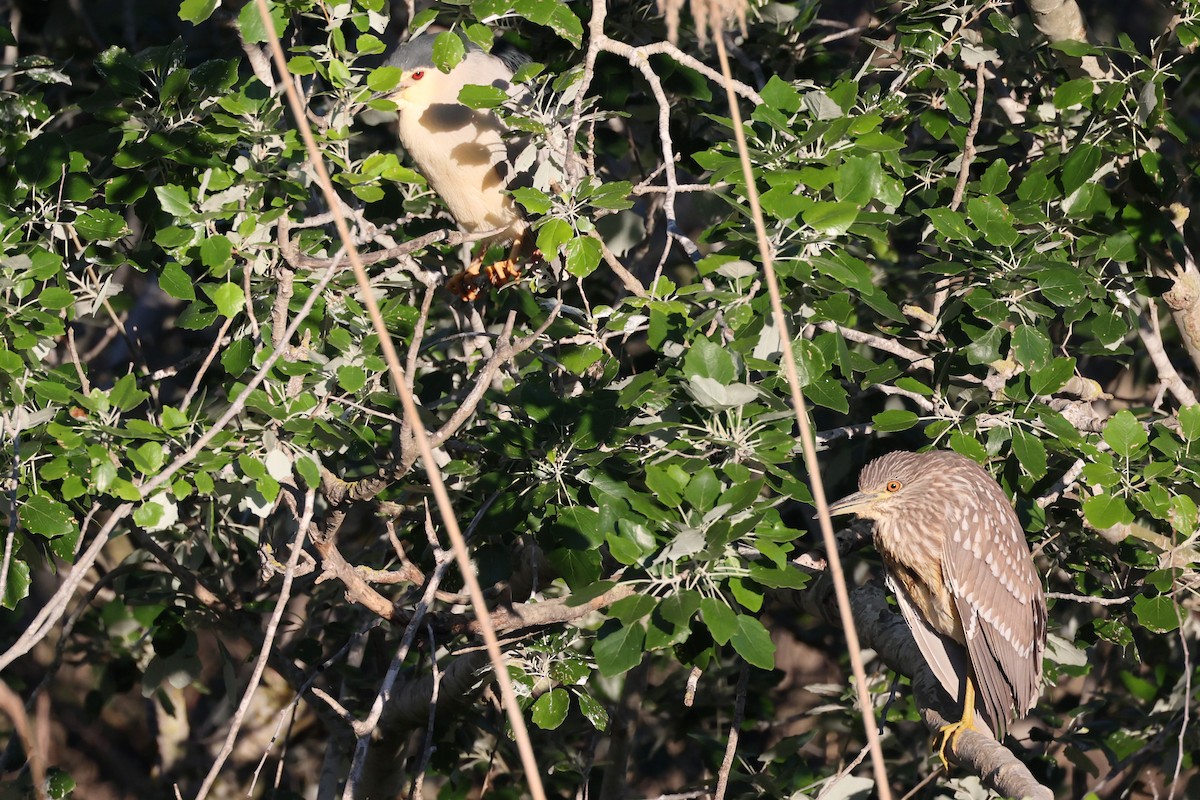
(853, 503)
(396, 93)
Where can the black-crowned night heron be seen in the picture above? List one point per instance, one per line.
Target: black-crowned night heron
(462, 152)
(957, 559)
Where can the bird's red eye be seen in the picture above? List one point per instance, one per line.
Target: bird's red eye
(416, 76)
(893, 486)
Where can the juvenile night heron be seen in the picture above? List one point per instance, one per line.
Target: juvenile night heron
(959, 564)
(462, 152)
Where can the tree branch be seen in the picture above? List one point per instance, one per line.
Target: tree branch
(885, 631)
(1061, 20)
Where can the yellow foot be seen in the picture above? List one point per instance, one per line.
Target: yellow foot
(470, 283)
(949, 733)
(502, 272)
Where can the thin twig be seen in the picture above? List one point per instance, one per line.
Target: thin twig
(52, 612)
(364, 729)
(735, 725)
(1087, 598)
(630, 283)
(14, 709)
(800, 409)
(432, 470)
(1062, 485)
(968, 154)
(1151, 336)
(964, 173)
(427, 751)
(260, 663)
(217, 345)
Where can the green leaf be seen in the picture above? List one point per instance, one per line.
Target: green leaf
(1124, 434)
(1080, 166)
(811, 363)
(753, 643)
(148, 458)
(1073, 93)
(709, 360)
(781, 95)
(832, 219)
(968, 446)
(550, 709)
(216, 252)
(1158, 614)
(176, 282)
(553, 234)
(858, 179)
(719, 618)
(384, 79)
(149, 515)
(101, 225)
(1104, 511)
(1030, 451)
(995, 178)
(448, 50)
(950, 224)
(308, 470)
(896, 419)
(351, 378)
(620, 649)
(703, 489)
(196, 11)
(125, 395)
(993, 219)
(1052, 378)
(786, 577)
(45, 516)
(535, 202)
(54, 298)
(174, 200)
(236, 358)
(679, 608)
(1031, 346)
(1075, 48)
(1189, 422)
(986, 348)
(17, 588)
(583, 255)
(251, 24)
(229, 298)
(475, 96)
(578, 568)
(595, 712)
(1119, 247)
(304, 65)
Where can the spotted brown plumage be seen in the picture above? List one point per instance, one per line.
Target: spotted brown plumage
(957, 558)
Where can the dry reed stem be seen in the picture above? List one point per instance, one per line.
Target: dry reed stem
(400, 382)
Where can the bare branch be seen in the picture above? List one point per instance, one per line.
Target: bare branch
(1061, 20)
(260, 663)
(886, 632)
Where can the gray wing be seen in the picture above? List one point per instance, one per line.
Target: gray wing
(999, 598)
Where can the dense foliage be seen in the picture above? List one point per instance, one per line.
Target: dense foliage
(983, 243)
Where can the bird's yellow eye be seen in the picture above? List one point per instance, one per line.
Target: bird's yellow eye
(893, 486)
(416, 76)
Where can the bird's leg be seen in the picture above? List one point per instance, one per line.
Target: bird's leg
(508, 269)
(949, 733)
(467, 285)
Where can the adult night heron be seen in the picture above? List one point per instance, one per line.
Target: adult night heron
(959, 564)
(462, 152)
